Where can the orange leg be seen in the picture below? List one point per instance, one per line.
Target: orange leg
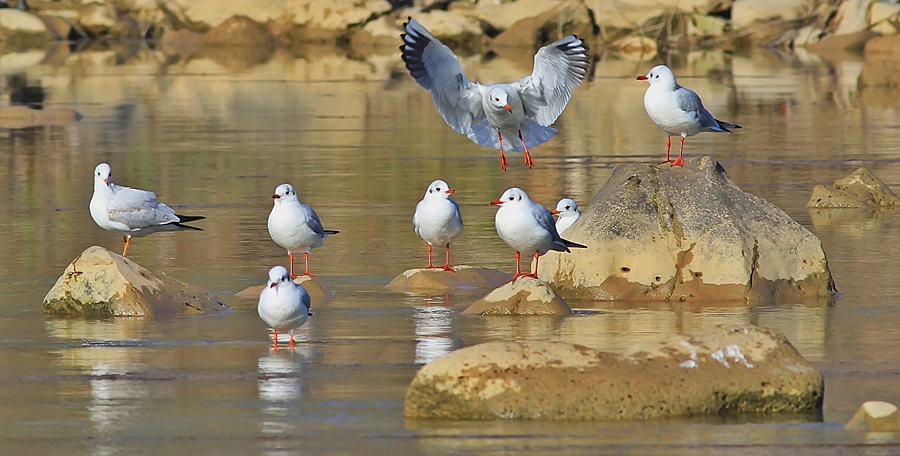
(668, 148)
(446, 265)
(274, 340)
(519, 273)
(430, 266)
(502, 157)
(528, 161)
(679, 161)
(291, 341)
(125, 249)
(291, 261)
(306, 261)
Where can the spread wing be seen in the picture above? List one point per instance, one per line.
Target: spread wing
(139, 209)
(435, 67)
(558, 68)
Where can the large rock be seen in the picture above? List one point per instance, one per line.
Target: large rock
(454, 30)
(103, 284)
(524, 296)
(859, 189)
(875, 416)
(534, 22)
(721, 370)
(745, 13)
(437, 280)
(18, 28)
(635, 14)
(239, 31)
(686, 233)
(319, 292)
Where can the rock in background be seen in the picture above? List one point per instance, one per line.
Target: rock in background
(319, 291)
(861, 189)
(721, 370)
(100, 283)
(686, 233)
(436, 279)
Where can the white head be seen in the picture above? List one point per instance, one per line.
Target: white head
(512, 196)
(439, 189)
(284, 193)
(660, 75)
(498, 98)
(279, 277)
(102, 175)
(566, 207)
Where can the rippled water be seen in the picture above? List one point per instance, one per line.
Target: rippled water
(361, 142)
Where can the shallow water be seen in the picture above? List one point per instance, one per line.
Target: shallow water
(361, 142)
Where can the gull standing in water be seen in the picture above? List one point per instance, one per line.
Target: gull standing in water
(130, 211)
(520, 112)
(566, 213)
(437, 220)
(677, 110)
(295, 226)
(527, 227)
(283, 304)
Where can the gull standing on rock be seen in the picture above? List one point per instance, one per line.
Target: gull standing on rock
(283, 304)
(132, 212)
(437, 220)
(527, 227)
(488, 114)
(566, 213)
(677, 110)
(295, 226)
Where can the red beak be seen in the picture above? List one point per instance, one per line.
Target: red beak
(275, 196)
(506, 107)
(496, 202)
(272, 285)
(642, 78)
(450, 191)
(554, 212)
(106, 181)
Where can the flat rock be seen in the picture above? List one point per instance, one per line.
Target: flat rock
(875, 416)
(431, 280)
(720, 370)
(100, 283)
(319, 292)
(524, 296)
(861, 189)
(686, 233)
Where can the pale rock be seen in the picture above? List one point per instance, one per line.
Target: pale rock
(101, 283)
(884, 28)
(19, 21)
(58, 26)
(319, 292)
(502, 16)
(436, 280)
(808, 35)
(201, 15)
(852, 17)
(881, 11)
(859, 189)
(380, 32)
(875, 416)
(633, 14)
(686, 233)
(745, 12)
(537, 29)
(702, 25)
(455, 31)
(96, 19)
(524, 296)
(715, 371)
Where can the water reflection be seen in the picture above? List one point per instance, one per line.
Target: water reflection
(434, 322)
(281, 384)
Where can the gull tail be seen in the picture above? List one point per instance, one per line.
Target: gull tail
(182, 219)
(569, 243)
(562, 245)
(533, 133)
(329, 232)
(724, 126)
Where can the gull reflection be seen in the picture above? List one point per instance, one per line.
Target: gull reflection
(433, 329)
(280, 385)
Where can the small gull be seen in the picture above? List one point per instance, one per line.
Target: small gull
(487, 114)
(295, 226)
(677, 110)
(527, 227)
(283, 304)
(437, 220)
(566, 213)
(130, 211)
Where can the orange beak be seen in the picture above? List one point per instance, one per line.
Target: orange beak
(496, 202)
(276, 196)
(642, 78)
(506, 107)
(272, 285)
(554, 212)
(450, 191)
(106, 181)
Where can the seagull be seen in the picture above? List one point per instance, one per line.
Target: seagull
(567, 212)
(295, 226)
(521, 112)
(677, 110)
(132, 212)
(437, 220)
(283, 304)
(527, 227)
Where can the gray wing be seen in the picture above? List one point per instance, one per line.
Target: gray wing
(138, 209)
(545, 219)
(558, 68)
(690, 102)
(313, 221)
(435, 67)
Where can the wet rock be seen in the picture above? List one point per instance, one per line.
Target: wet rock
(434, 280)
(103, 284)
(875, 416)
(720, 370)
(319, 292)
(524, 296)
(859, 189)
(18, 28)
(239, 31)
(668, 233)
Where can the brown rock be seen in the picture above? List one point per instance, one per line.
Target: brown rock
(239, 31)
(724, 369)
(883, 45)
(104, 284)
(319, 292)
(182, 43)
(875, 416)
(535, 22)
(434, 280)
(524, 296)
(859, 189)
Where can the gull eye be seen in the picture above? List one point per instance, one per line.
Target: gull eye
(512, 198)
(437, 189)
(568, 207)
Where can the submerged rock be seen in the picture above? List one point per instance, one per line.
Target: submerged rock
(431, 280)
(686, 233)
(102, 283)
(524, 296)
(859, 189)
(875, 416)
(721, 370)
(318, 291)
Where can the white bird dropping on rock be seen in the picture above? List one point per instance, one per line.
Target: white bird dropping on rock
(677, 110)
(283, 304)
(566, 213)
(295, 226)
(527, 227)
(437, 220)
(489, 114)
(132, 212)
